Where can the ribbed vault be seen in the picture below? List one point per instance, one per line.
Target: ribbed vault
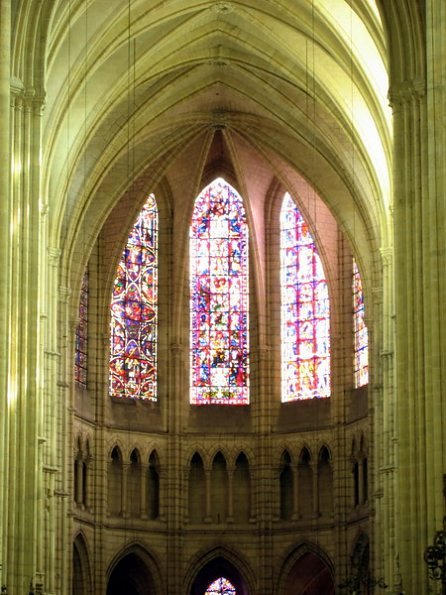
(135, 92)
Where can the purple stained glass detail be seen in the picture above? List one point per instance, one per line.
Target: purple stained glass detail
(80, 362)
(221, 586)
(361, 339)
(219, 298)
(133, 321)
(305, 310)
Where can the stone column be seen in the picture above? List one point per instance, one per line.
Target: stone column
(5, 160)
(24, 394)
(382, 459)
(420, 262)
(172, 497)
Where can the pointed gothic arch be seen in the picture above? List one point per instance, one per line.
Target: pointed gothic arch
(81, 572)
(219, 297)
(134, 311)
(134, 571)
(307, 570)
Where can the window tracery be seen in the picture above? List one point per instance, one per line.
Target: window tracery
(361, 340)
(305, 310)
(221, 586)
(133, 324)
(219, 298)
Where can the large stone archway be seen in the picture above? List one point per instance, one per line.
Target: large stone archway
(309, 575)
(133, 573)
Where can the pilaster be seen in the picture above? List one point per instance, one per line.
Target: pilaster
(5, 255)
(25, 512)
(418, 375)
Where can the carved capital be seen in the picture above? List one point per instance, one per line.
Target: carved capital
(54, 256)
(387, 256)
(404, 92)
(64, 294)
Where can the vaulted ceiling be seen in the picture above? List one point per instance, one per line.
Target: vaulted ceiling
(141, 91)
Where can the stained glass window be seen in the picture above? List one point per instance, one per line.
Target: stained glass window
(219, 298)
(80, 363)
(305, 311)
(133, 324)
(361, 340)
(221, 587)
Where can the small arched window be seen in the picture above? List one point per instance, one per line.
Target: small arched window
(221, 586)
(80, 363)
(305, 310)
(133, 324)
(361, 338)
(219, 298)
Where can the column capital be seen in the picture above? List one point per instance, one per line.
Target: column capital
(387, 255)
(64, 293)
(403, 92)
(176, 349)
(54, 255)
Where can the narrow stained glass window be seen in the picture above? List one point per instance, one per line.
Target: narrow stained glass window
(219, 298)
(221, 587)
(305, 311)
(133, 324)
(80, 363)
(361, 339)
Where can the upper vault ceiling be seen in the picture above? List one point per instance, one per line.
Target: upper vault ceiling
(292, 78)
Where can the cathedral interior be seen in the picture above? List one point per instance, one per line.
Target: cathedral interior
(223, 255)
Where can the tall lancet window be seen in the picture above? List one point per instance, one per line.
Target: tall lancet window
(219, 298)
(360, 333)
(133, 321)
(305, 310)
(80, 362)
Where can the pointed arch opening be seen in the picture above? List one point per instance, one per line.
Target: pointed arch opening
(221, 586)
(81, 582)
(305, 310)
(133, 309)
(134, 573)
(310, 575)
(153, 485)
(286, 481)
(360, 332)
(219, 577)
(81, 335)
(219, 297)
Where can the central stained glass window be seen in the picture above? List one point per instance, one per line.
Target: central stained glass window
(133, 321)
(305, 311)
(221, 587)
(219, 298)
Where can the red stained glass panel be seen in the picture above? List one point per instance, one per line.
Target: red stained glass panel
(219, 297)
(305, 310)
(133, 323)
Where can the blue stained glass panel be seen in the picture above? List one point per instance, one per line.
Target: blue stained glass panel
(133, 312)
(361, 339)
(219, 297)
(305, 310)
(221, 586)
